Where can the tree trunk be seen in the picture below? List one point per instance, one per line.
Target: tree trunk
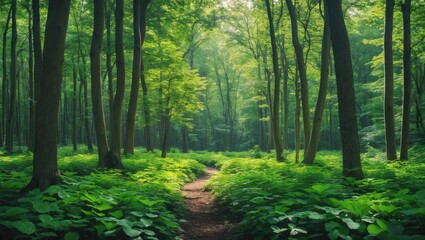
(345, 90)
(139, 18)
(74, 107)
(389, 82)
(166, 132)
(275, 115)
(5, 80)
(285, 93)
(38, 65)
(321, 99)
(10, 121)
(31, 101)
(96, 88)
(45, 165)
(109, 67)
(407, 81)
(115, 146)
(86, 114)
(302, 71)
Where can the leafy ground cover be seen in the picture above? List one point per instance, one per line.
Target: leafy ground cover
(290, 201)
(142, 201)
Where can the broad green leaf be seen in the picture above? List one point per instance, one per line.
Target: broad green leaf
(131, 232)
(316, 215)
(146, 222)
(46, 219)
(71, 236)
(24, 226)
(149, 232)
(321, 187)
(15, 211)
(117, 214)
(331, 225)
(351, 224)
(43, 207)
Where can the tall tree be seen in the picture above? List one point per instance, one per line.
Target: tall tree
(45, 164)
(4, 80)
(321, 99)
(10, 121)
(31, 95)
(139, 32)
(389, 81)
(302, 71)
(345, 90)
(115, 145)
(276, 71)
(407, 81)
(38, 62)
(96, 88)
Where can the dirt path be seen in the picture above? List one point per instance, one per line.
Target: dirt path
(204, 221)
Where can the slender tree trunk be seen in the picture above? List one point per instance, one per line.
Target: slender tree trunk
(302, 71)
(146, 110)
(38, 64)
(321, 99)
(4, 79)
(166, 132)
(86, 115)
(45, 165)
(275, 115)
(109, 67)
(115, 146)
(96, 88)
(285, 97)
(10, 121)
(31, 101)
(74, 107)
(297, 119)
(345, 90)
(134, 94)
(407, 81)
(389, 82)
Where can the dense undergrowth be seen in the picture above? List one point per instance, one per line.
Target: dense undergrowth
(142, 201)
(290, 201)
(271, 200)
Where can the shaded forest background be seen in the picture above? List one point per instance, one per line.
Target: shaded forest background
(207, 82)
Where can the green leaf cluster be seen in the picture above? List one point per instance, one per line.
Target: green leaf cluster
(290, 201)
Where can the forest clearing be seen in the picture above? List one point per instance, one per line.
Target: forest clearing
(212, 119)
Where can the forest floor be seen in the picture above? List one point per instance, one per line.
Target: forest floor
(204, 219)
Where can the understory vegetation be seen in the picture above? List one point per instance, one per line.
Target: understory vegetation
(268, 199)
(291, 201)
(141, 201)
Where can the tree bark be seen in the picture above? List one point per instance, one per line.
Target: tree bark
(345, 90)
(45, 165)
(407, 81)
(74, 107)
(389, 82)
(321, 99)
(38, 64)
(10, 121)
(96, 88)
(109, 67)
(275, 115)
(4, 80)
(302, 71)
(31, 101)
(115, 146)
(139, 19)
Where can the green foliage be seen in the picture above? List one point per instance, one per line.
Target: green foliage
(141, 201)
(289, 201)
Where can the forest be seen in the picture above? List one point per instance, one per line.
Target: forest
(212, 119)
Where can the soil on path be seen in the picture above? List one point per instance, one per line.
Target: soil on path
(204, 220)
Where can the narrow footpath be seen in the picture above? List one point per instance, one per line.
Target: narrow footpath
(204, 221)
